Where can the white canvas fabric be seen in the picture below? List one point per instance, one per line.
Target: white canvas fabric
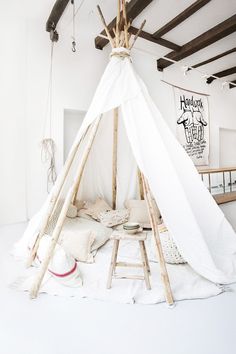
(200, 230)
(203, 235)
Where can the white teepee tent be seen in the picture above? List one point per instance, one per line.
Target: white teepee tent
(203, 235)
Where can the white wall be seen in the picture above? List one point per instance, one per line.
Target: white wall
(72, 123)
(227, 147)
(222, 105)
(75, 79)
(12, 117)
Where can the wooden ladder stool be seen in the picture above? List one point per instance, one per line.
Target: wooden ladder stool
(140, 237)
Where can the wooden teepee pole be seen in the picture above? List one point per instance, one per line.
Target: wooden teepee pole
(53, 201)
(114, 158)
(82, 168)
(117, 31)
(140, 184)
(154, 223)
(105, 26)
(57, 230)
(137, 34)
(125, 23)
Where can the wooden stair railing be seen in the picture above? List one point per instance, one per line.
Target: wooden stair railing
(225, 191)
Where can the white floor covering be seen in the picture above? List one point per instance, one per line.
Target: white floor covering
(57, 325)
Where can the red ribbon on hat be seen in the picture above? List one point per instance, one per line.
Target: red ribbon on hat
(57, 274)
(65, 274)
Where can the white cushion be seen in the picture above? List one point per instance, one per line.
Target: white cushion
(83, 214)
(79, 244)
(102, 233)
(72, 211)
(138, 211)
(79, 204)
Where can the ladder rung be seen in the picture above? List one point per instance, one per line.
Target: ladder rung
(125, 264)
(136, 277)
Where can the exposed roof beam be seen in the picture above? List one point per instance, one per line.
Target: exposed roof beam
(160, 41)
(211, 36)
(56, 13)
(215, 58)
(134, 8)
(223, 73)
(180, 18)
(232, 86)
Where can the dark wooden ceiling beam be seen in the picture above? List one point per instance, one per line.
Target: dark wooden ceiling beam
(134, 8)
(207, 38)
(180, 18)
(160, 41)
(56, 13)
(221, 74)
(232, 86)
(233, 50)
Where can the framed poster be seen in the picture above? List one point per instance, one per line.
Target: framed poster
(192, 124)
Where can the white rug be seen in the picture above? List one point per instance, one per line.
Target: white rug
(185, 283)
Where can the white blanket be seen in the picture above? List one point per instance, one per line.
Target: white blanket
(185, 283)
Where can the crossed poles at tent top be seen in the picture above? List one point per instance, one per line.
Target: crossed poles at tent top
(120, 36)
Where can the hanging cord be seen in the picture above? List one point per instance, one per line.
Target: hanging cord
(185, 68)
(48, 110)
(73, 27)
(48, 149)
(48, 146)
(79, 7)
(67, 27)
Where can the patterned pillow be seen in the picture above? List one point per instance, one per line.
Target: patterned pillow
(95, 209)
(112, 218)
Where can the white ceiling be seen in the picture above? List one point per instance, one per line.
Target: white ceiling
(158, 13)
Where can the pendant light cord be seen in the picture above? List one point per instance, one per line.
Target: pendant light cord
(73, 27)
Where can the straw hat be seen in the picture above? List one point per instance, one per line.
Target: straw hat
(62, 266)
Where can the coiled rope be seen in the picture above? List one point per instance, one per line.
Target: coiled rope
(48, 146)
